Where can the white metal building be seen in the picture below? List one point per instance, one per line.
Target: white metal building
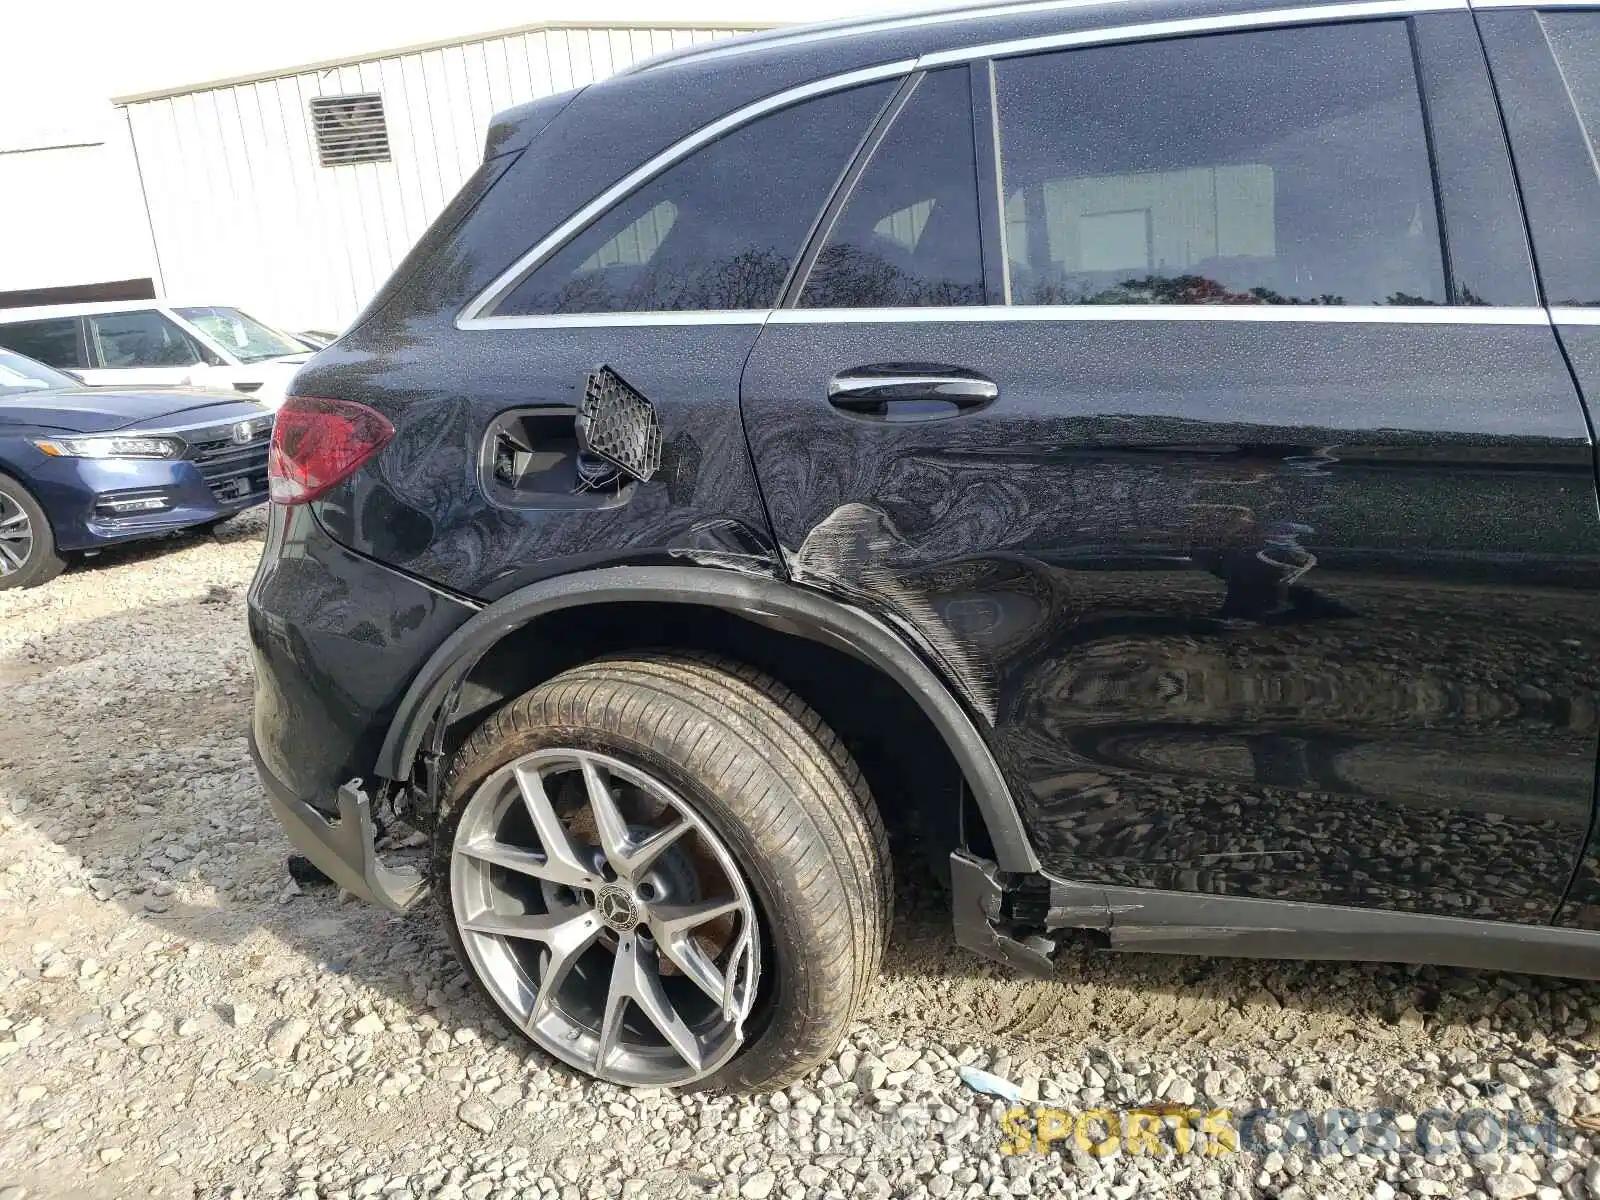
(294, 195)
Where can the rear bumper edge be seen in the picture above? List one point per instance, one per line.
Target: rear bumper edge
(344, 850)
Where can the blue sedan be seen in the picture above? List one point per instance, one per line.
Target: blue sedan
(87, 467)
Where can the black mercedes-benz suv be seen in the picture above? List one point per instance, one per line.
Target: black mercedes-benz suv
(1143, 447)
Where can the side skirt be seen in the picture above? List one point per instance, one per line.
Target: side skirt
(1003, 917)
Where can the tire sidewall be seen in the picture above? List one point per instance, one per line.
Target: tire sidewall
(42, 563)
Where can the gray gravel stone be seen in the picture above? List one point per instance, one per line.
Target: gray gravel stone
(476, 1114)
(286, 1035)
(759, 1186)
(1181, 1092)
(240, 1015)
(1512, 1075)
(1510, 1187)
(902, 1058)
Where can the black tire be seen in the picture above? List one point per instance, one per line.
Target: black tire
(774, 782)
(42, 563)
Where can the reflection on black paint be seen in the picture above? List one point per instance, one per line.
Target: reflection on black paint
(1295, 611)
(337, 636)
(1317, 759)
(1582, 344)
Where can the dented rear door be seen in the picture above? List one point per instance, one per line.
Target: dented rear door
(1257, 529)
(1547, 69)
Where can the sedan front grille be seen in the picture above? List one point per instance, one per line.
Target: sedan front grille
(235, 470)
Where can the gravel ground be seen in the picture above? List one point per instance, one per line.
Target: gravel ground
(177, 1019)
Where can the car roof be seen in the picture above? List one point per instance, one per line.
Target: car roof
(966, 23)
(651, 105)
(43, 312)
(890, 18)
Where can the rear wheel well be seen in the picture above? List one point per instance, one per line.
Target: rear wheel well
(916, 781)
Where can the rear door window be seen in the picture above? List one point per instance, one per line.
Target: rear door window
(908, 235)
(140, 339)
(54, 343)
(1548, 83)
(1279, 167)
(1575, 38)
(718, 230)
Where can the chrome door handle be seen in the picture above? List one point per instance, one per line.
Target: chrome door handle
(910, 391)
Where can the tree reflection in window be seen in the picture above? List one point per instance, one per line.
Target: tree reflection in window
(908, 237)
(719, 230)
(848, 276)
(748, 279)
(1195, 289)
(1276, 167)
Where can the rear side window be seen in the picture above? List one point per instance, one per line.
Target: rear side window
(1575, 38)
(1549, 88)
(1280, 167)
(140, 339)
(908, 236)
(719, 230)
(54, 343)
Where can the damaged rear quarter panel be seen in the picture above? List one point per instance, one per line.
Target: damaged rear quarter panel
(421, 506)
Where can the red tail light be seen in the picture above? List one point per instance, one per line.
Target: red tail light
(318, 443)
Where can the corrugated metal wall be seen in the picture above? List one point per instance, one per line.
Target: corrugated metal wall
(242, 213)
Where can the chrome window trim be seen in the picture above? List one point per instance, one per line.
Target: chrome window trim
(1573, 315)
(998, 150)
(1331, 314)
(834, 30)
(1536, 3)
(1188, 26)
(713, 316)
(1305, 314)
(968, 12)
(476, 314)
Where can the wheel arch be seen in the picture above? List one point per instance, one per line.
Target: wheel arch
(13, 474)
(771, 604)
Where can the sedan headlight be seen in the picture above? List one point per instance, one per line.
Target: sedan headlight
(111, 446)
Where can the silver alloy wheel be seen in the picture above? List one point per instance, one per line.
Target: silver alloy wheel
(606, 918)
(16, 536)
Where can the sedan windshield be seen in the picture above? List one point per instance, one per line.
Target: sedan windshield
(20, 375)
(241, 335)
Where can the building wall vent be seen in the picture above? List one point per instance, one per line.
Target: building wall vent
(349, 129)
